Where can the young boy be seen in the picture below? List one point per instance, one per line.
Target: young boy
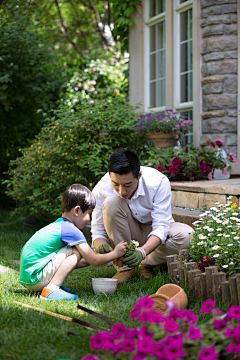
(53, 252)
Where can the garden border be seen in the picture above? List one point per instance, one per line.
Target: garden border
(213, 284)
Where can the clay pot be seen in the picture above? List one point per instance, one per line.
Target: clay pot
(119, 261)
(162, 140)
(171, 292)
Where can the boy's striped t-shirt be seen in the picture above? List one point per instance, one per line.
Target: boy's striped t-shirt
(44, 245)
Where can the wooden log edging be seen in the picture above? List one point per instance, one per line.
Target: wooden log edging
(212, 284)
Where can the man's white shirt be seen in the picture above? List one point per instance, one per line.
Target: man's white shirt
(151, 202)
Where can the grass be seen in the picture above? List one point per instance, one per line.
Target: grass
(26, 334)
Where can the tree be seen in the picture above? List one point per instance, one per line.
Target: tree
(87, 25)
(31, 78)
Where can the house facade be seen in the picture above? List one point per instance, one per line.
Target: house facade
(184, 55)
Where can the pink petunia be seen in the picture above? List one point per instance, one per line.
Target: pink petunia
(118, 330)
(234, 312)
(209, 176)
(79, 85)
(94, 68)
(96, 341)
(105, 61)
(207, 306)
(146, 302)
(208, 354)
(128, 345)
(233, 348)
(135, 311)
(172, 352)
(171, 326)
(194, 333)
(87, 51)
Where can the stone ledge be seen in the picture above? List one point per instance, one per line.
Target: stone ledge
(225, 187)
(185, 216)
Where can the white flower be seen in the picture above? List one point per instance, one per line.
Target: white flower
(215, 247)
(210, 221)
(236, 214)
(136, 243)
(227, 236)
(200, 243)
(230, 244)
(216, 255)
(216, 203)
(220, 205)
(229, 197)
(219, 229)
(210, 229)
(225, 252)
(225, 222)
(219, 221)
(196, 222)
(233, 218)
(213, 208)
(219, 234)
(201, 236)
(201, 215)
(236, 237)
(209, 234)
(205, 227)
(229, 226)
(231, 263)
(233, 233)
(225, 266)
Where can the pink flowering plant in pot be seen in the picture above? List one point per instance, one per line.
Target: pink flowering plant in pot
(228, 159)
(175, 335)
(178, 164)
(165, 122)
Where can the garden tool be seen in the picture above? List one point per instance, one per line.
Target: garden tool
(87, 325)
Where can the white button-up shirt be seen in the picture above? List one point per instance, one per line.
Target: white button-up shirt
(150, 202)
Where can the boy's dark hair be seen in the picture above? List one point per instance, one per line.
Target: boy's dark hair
(123, 161)
(78, 195)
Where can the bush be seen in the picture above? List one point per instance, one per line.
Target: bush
(31, 78)
(217, 237)
(97, 79)
(74, 147)
(177, 164)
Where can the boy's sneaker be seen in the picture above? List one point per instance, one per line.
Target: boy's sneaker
(56, 295)
(65, 289)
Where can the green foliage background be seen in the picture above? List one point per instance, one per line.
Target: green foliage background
(74, 147)
(31, 78)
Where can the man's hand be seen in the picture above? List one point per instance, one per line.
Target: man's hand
(134, 259)
(104, 248)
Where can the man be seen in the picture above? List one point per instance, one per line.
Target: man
(133, 202)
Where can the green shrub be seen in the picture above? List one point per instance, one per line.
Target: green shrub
(31, 78)
(74, 147)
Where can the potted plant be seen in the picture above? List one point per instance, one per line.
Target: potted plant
(163, 129)
(177, 164)
(223, 173)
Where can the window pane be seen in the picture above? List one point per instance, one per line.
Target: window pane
(183, 26)
(161, 35)
(182, 1)
(161, 64)
(152, 38)
(153, 94)
(156, 7)
(186, 56)
(152, 66)
(161, 92)
(184, 88)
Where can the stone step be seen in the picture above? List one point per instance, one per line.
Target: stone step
(185, 216)
(197, 194)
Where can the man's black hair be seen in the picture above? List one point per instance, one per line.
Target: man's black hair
(124, 161)
(78, 195)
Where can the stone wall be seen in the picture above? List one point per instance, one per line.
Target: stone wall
(219, 72)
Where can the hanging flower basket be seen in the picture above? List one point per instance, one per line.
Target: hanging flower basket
(162, 140)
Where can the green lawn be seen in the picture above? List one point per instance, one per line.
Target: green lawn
(30, 335)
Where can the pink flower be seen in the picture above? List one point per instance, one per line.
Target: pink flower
(232, 153)
(70, 52)
(145, 345)
(208, 354)
(79, 85)
(194, 333)
(146, 302)
(209, 176)
(219, 143)
(89, 357)
(87, 51)
(117, 63)
(86, 86)
(237, 160)
(92, 101)
(140, 355)
(94, 68)
(173, 169)
(171, 115)
(234, 312)
(207, 306)
(112, 59)
(135, 311)
(95, 92)
(144, 333)
(128, 345)
(172, 352)
(220, 324)
(96, 341)
(118, 330)
(177, 126)
(177, 161)
(131, 333)
(93, 82)
(213, 144)
(233, 348)
(160, 167)
(117, 56)
(122, 61)
(50, 49)
(105, 61)
(171, 326)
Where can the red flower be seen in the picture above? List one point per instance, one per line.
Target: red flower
(173, 169)
(219, 143)
(177, 162)
(213, 144)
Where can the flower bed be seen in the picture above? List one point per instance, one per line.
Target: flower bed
(174, 335)
(217, 236)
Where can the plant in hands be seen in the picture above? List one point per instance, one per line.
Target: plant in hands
(120, 249)
(174, 335)
(134, 254)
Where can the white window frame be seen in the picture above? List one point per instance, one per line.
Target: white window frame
(150, 22)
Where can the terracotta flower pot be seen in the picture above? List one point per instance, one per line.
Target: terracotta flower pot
(162, 140)
(119, 261)
(171, 292)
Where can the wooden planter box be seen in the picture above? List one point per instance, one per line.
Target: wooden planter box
(212, 284)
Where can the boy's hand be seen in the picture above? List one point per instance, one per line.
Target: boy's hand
(121, 248)
(104, 248)
(135, 258)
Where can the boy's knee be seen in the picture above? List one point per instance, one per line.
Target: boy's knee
(76, 253)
